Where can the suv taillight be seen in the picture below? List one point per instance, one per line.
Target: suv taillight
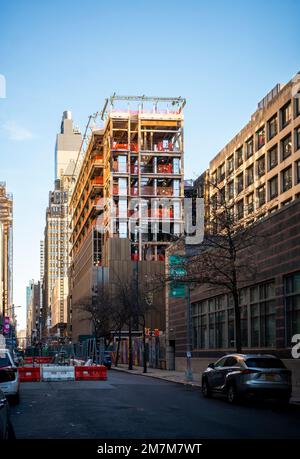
(247, 372)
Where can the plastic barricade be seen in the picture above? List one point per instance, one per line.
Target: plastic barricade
(29, 374)
(91, 373)
(58, 373)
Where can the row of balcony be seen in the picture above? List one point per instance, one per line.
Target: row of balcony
(151, 169)
(145, 191)
(151, 213)
(159, 146)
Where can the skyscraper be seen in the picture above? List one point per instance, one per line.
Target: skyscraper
(55, 251)
(68, 143)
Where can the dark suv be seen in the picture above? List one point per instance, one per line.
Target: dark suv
(244, 375)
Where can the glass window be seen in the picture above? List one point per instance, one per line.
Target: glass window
(287, 179)
(297, 138)
(261, 195)
(240, 209)
(286, 114)
(220, 329)
(297, 165)
(263, 362)
(230, 362)
(249, 148)
(250, 203)
(292, 304)
(273, 187)
(221, 172)
(260, 166)
(240, 183)
(272, 127)
(272, 157)
(286, 147)
(297, 104)
(214, 178)
(249, 175)
(230, 164)
(260, 138)
(254, 313)
(230, 189)
(220, 362)
(239, 156)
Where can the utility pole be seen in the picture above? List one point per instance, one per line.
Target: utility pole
(189, 371)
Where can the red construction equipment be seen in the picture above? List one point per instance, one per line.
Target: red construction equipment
(91, 373)
(29, 374)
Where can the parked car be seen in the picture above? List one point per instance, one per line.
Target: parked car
(246, 375)
(6, 428)
(107, 359)
(9, 377)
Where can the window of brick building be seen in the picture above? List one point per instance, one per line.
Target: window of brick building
(249, 148)
(286, 147)
(221, 172)
(230, 164)
(292, 304)
(263, 315)
(230, 189)
(250, 203)
(297, 138)
(239, 157)
(297, 167)
(272, 127)
(273, 187)
(240, 183)
(260, 138)
(285, 115)
(261, 195)
(297, 105)
(240, 209)
(272, 157)
(286, 179)
(249, 175)
(260, 166)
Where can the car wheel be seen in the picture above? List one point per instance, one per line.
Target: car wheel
(206, 391)
(232, 396)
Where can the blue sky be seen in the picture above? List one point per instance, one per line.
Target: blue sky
(223, 56)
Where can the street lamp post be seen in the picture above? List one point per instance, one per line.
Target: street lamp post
(189, 371)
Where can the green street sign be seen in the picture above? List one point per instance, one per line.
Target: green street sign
(177, 288)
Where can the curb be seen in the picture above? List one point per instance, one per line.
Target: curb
(182, 382)
(162, 378)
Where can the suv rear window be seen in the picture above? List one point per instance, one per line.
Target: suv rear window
(264, 363)
(4, 361)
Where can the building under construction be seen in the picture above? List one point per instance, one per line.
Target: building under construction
(126, 205)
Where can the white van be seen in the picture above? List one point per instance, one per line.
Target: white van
(9, 377)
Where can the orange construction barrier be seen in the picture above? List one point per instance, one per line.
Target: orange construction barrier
(91, 373)
(29, 374)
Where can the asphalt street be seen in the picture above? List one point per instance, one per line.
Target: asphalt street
(131, 406)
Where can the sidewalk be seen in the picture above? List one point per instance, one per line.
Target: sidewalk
(179, 377)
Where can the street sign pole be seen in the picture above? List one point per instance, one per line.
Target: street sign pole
(189, 371)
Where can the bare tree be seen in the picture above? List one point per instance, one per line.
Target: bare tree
(226, 257)
(136, 300)
(99, 309)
